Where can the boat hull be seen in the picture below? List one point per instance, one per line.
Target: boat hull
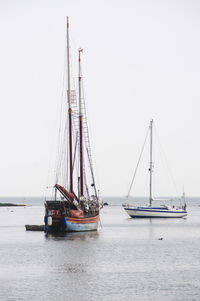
(82, 224)
(73, 224)
(153, 213)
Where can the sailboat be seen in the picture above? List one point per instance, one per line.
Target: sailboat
(74, 211)
(154, 211)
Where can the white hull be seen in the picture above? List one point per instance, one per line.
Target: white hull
(155, 212)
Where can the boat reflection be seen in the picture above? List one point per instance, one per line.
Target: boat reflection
(72, 235)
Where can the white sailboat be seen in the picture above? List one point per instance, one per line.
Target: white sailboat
(149, 210)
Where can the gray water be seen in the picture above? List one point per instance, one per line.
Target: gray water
(124, 260)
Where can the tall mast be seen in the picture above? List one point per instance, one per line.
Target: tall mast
(69, 111)
(151, 163)
(80, 124)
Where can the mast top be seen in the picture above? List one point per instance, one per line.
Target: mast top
(68, 66)
(79, 53)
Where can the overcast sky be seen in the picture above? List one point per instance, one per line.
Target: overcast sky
(141, 61)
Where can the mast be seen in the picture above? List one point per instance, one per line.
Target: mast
(80, 124)
(151, 163)
(69, 112)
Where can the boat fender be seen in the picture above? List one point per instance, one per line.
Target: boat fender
(49, 221)
(45, 220)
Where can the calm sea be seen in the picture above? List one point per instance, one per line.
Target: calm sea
(124, 260)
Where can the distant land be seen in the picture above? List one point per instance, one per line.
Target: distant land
(9, 205)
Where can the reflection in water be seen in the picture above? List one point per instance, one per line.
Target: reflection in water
(74, 268)
(72, 235)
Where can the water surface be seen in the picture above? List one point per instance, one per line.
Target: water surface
(124, 260)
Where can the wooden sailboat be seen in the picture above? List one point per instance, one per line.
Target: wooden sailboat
(74, 211)
(154, 211)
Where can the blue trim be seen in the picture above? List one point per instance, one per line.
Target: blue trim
(136, 216)
(149, 208)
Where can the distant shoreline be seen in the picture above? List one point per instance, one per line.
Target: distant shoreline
(10, 205)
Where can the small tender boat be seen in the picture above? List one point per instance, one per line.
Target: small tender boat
(35, 227)
(149, 210)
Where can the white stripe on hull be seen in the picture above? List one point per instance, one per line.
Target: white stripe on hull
(134, 212)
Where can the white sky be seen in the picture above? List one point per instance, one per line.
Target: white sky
(141, 61)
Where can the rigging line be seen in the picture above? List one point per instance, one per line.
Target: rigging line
(86, 135)
(75, 150)
(61, 168)
(101, 226)
(167, 165)
(85, 177)
(63, 98)
(137, 164)
(87, 132)
(88, 149)
(61, 144)
(92, 173)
